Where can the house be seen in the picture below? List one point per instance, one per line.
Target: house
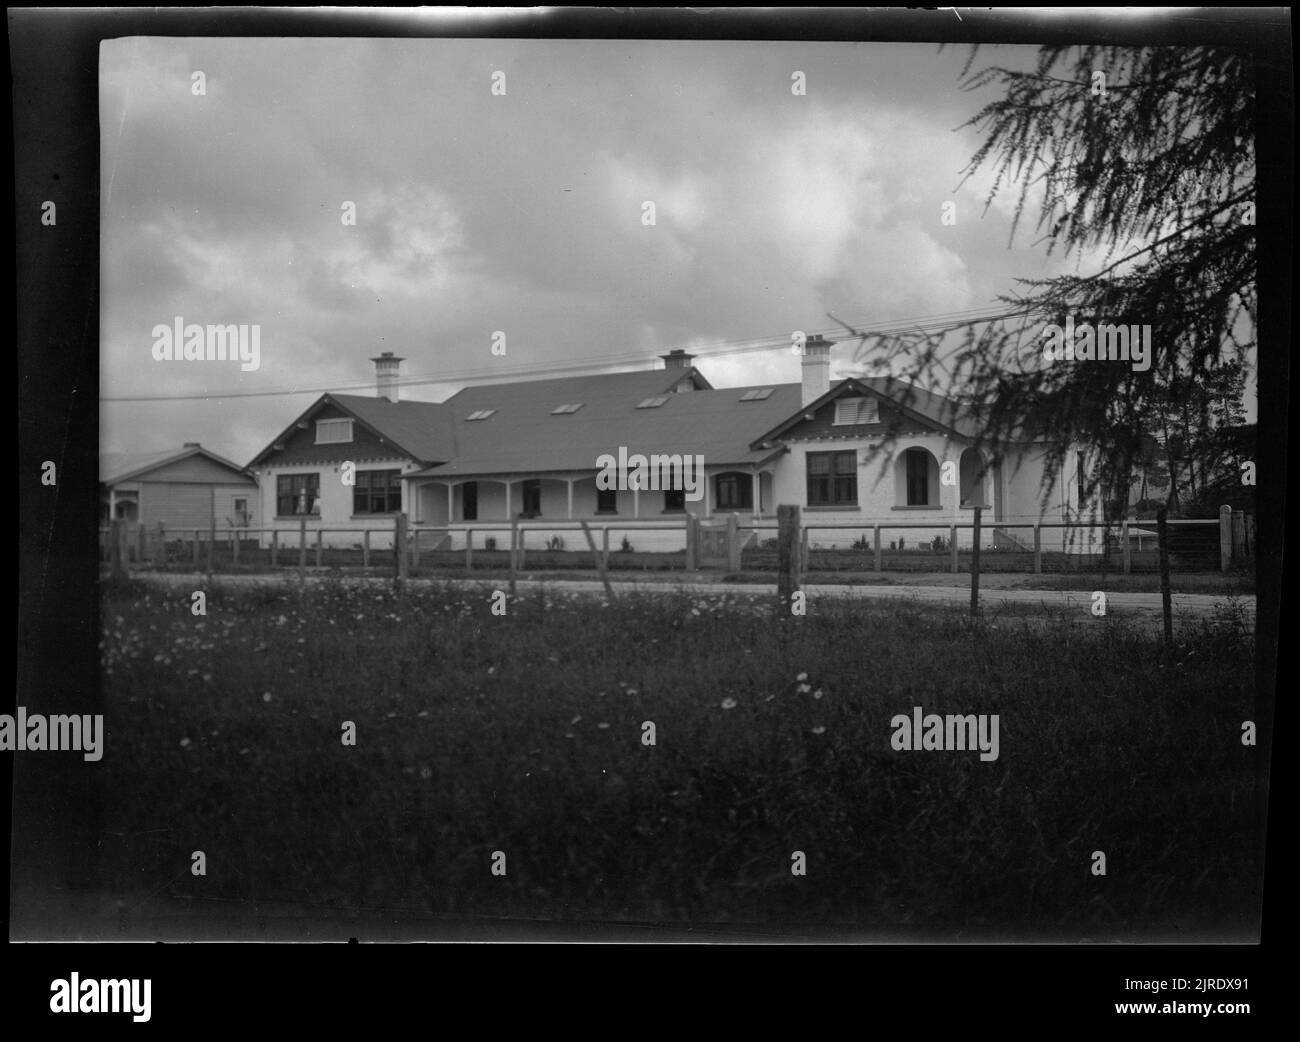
(180, 489)
(531, 450)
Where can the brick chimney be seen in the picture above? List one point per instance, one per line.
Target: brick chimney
(387, 383)
(677, 359)
(816, 368)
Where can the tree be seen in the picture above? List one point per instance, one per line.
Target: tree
(1146, 158)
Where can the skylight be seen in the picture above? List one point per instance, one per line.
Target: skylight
(480, 414)
(758, 394)
(653, 403)
(565, 410)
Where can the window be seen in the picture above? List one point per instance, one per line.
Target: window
(469, 501)
(606, 501)
(758, 394)
(734, 491)
(832, 479)
(532, 498)
(918, 477)
(566, 410)
(377, 492)
(333, 432)
(1082, 481)
(674, 500)
(297, 495)
(856, 410)
(653, 403)
(241, 513)
(480, 414)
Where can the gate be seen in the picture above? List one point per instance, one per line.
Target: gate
(713, 543)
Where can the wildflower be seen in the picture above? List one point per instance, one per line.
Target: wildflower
(728, 703)
(266, 695)
(574, 720)
(185, 743)
(819, 729)
(603, 726)
(817, 693)
(426, 773)
(802, 676)
(804, 689)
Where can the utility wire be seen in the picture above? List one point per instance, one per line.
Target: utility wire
(922, 323)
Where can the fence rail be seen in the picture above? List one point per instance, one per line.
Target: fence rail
(1195, 544)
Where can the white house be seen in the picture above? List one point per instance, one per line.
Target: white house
(532, 450)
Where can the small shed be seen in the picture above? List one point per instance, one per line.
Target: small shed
(190, 487)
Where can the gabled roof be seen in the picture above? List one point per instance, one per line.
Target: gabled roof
(126, 466)
(421, 430)
(912, 401)
(524, 435)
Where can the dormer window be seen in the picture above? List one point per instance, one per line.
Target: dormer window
(481, 414)
(333, 432)
(566, 410)
(856, 410)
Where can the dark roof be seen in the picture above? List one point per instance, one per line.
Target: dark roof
(934, 409)
(422, 430)
(125, 466)
(524, 436)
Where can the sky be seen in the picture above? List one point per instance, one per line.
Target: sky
(522, 212)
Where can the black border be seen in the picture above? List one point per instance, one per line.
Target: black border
(54, 65)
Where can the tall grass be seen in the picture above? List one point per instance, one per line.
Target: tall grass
(523, 734)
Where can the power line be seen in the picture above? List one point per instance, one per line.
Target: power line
(746, 345)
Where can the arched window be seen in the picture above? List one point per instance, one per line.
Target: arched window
(734, 491)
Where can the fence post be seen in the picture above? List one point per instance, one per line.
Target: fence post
(514, 537)
(875, 537)
(1038, 549)
(212, 542)
(692, 538)
(196, 549)
(1162, 531)
(733, 543)
(600, 565)
(365, 548)
(275, 548)
(1225, 537)
(234, 541)
(399, 546)
(604, 544)
(803, 552)
(115, 548)
(302, 547)
(142, 543)
(952, 538)
(787, 555)
(1124, 548)
(975, 567)
(320, 545)
(162, 543)
(469, 549)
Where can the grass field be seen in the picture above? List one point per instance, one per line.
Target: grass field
(524, 734)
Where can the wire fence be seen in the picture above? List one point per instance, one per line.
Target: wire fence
(731, 543)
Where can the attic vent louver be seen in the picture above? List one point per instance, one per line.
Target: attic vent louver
(653, 403)
(758, 394)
